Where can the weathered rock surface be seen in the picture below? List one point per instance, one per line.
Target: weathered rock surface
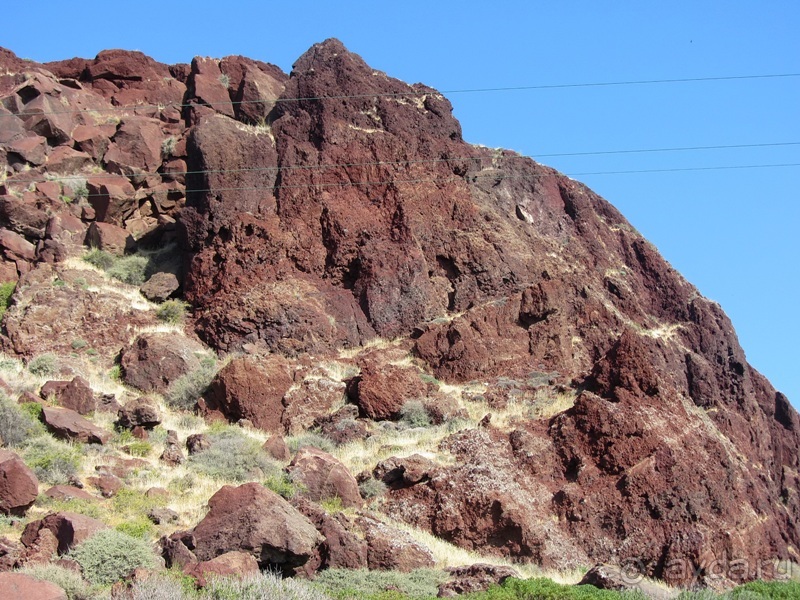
(252, 519)
(155, 360)
(70, 529)
(67, 424)
(16, 586)
(390, 549)
(141, 412)
(19, 486)
(323, 476)
(381, 390)
(229, 564)
(474, 578)
(76, 395)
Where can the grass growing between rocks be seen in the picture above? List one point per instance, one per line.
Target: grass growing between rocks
(344, 584)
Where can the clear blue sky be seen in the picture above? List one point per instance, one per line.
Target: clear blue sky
(733, 233)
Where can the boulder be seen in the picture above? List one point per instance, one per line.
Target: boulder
(135, 147)
(344, 546)
(403, 472)
(109, 238)
(67, 424)
(229, 564)
(197, 442)
(208, 86)
(19, 486)
(276, 447)
(251, 389)
(250, 518)
(16, 586)
(474, 578)
(616, 578)
(141, 412)
(70, 529)
(9, 554)
(162, 516)
(22, 217)
(390, 549)
(155, 360)
(107, 484)
(67, 492)
(160, 287)
(381, 390)
(324, 476)
(177, 549)
(16, 247)
(76, 395)
(172, 455)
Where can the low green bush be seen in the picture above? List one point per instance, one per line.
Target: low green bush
(546, 589)
(100, 259)
(261, 587)
(187, 389)
(374, 585)
(172, 311)
(44, 365)
(372, 488)
(769, 590)
(414, 414)
(6, 291)
(140, 528)
(17, 423)
(53, 461)
(310, 438)
(130, 269)
(233, 456)
(282, 484)
(110, 555)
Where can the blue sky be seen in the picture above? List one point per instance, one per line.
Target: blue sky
(733, 233)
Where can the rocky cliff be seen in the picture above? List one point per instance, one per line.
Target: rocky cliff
(320, 211)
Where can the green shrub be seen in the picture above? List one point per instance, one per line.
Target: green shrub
(44, 365)
(6, 291)
(414, 414)
(187, 389)
(772, 590)
(172, 311)
(361, 583)
(310, 438)
(546, 589)
(100, 259)
(142, 449)
(372, 488)
(261, 587)
(110, 555)
(17, 424)
(130, 269)
(54, 462)
(79, 343)
(140, 528)
(282, 484)
(70, 581)
(233, 456)
(163, 586)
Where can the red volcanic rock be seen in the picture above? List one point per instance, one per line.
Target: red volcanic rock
(160, 287)
(237, 564)
(32, 149)
(16, 586)
(66, 160)
(135, 147)
(197, 442)
(93, 140)
(22, 217)
(402, 472)
(208, 86)
(390, 549)
(154, 360)
(16, 247)
(9, 554)
(108, 485)
(67, 424)
(474, 578)
(276, 447)
(19, 486)
(109, 238)
(309, 401)
(381, 390)
(70, 529)
(256, 94)
(252, 519)
(67, 492)
(142, 412)
(76, 395)
(122, 66)
(252, 389)
(111, 197)
(324, 476)
(343, 546)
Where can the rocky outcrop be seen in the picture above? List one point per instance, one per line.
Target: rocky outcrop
(141, 412)
(323, 477)
(69, 425)
(69, 529)
(19, 486)
(75, 395)
(154, 360)
(252, 519)
(474, 578)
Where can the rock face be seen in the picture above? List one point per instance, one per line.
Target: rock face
(67, 424)
(368, 216)
(69, 529)
(19, 486)
(154, 360)
(16, 586)
(252, 519)
(323, 477)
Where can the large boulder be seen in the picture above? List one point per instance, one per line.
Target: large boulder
(391, 549)
(76, 395)
(141, 412)
(250, 518)
(155, 360)
(229, 564)
(70, 529)
(67, 424)
(19, 486)
(109, 238)
(324, 476)
(17, 586)
(381, 390)
(474, 578)
(252, 389)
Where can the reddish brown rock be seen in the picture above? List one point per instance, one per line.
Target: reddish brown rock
(67, 424)
(252, 389)
(172, 454)
(16, 247)
(343, 546)
(177, 549)
(76, 395)
(324, 476)
(21, 217)
(390, 549)
(112, 198)
(32, 149)
(135, 147)
(66, 160)
(403, 472)
(67, 492)
(252, 519)
(16, 586)
(70, 529)
(311, 400)
(108, 485)
(208, 86)
(256, 94)
(155, 360)
(381, 390)
(276, 447)
(229, 564)
(9, 554)
(160, 287)
(41, 550)
(474, 578)
(18, 484)
(109, 238)
(92, 140)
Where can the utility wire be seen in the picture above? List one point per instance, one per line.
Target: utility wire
(422, 161)
(468, 179)
(420, 93)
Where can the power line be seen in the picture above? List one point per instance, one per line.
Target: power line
(422, 93)
(469, 179)
(424, 161)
